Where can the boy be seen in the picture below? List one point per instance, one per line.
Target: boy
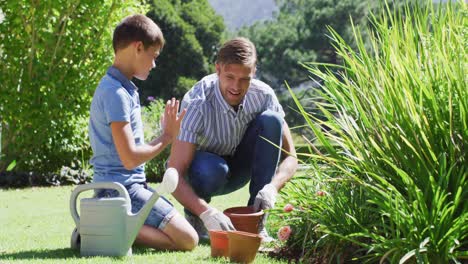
(116, 133)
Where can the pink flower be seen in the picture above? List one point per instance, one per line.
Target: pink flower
(288, 208)
(284, 233)
(321, 193)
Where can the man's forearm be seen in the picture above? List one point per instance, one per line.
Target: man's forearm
(288, 165)
(285, 172)
(182, 154)
(188, 198)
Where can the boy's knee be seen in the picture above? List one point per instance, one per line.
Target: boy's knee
(182, 234)
(187, 241)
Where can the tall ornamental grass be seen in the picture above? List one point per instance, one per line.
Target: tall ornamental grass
(390, 182)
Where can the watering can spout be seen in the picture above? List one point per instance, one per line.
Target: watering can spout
(136, 221)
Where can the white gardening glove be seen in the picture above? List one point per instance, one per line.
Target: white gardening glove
(215, 220)
(266, 198)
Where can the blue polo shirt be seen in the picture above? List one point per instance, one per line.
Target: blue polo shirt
(115, 100)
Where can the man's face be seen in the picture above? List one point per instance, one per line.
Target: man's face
(234, 81)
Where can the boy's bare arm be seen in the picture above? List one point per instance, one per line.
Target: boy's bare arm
(130, 154)
(182, 154)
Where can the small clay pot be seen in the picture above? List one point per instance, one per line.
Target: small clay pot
(219, 243)
(244, 218)
(243, 246)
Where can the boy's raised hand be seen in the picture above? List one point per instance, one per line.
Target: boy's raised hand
(171, 119)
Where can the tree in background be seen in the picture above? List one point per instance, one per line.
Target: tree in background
(192, 31)
(299, 34)
(53, 53)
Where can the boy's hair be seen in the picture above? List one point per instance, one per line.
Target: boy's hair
(137, 28)
(238, 51)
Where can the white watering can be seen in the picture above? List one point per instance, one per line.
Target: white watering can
(106, 226)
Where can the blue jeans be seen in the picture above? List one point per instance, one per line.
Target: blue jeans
(162, 211)
(254, 160)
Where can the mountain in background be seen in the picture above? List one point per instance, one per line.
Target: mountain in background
(246, 12)
(243, 12)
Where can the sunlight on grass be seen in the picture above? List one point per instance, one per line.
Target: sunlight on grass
(36, 227)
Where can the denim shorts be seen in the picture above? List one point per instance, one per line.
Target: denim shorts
(162, 211)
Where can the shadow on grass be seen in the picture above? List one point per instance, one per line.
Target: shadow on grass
(62, 253)
(205, 242)
(57, 253)
(140, 250)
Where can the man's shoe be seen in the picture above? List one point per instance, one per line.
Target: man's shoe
(262, 231)
(266, 238)
(197, 224)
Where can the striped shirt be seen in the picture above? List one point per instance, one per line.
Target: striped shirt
(212, 124)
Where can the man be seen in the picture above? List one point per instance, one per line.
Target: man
(231, 134)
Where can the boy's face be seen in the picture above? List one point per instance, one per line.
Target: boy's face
(145, 60)
(234, 81)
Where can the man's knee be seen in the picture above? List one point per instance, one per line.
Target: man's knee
(208, 173)
(270, 120)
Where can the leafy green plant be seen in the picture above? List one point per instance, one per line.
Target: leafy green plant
(11, 166)
(53, 54)
(393, 158)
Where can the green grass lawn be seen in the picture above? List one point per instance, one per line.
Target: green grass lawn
(35, 227)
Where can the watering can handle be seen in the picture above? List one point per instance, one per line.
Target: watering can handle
(91, 186)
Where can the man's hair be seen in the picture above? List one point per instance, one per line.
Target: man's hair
(137, 28)
(238, 51)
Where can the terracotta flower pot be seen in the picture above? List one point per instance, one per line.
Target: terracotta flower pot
(219, 243)
(243, 246)
(244, 218)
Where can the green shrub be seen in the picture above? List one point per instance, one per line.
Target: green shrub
(393, 162)
(53, 54)
(151, 117)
